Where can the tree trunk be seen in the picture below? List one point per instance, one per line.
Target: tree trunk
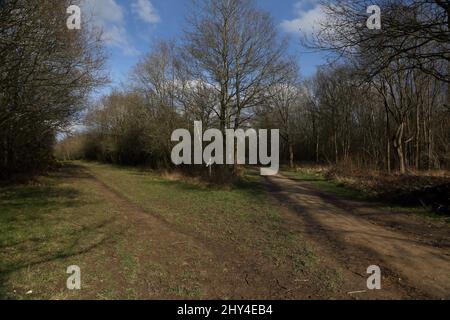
(398, 144)
(417, 151)
(291, 155)
(388, 139)
(336, 151)
(388, 156)
(317, 149)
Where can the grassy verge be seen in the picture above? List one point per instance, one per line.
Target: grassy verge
(241, 216)
(64, 219)
(48, 226)
(332, 186)
(340, 189)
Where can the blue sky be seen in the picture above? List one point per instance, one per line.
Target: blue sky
(131, 27)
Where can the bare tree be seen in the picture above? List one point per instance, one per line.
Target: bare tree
(235, 49)
(416, 31)
(283, 102)
(46, 72)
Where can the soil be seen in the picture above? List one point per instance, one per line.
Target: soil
(413, 253)
(348, 237)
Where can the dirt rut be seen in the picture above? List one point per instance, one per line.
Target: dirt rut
(410, 264)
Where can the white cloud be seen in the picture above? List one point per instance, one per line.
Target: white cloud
(109, 16)
(309, 14)
(104, 11)
(116, 35)
(146, 11)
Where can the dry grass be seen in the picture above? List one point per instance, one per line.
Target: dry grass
(416, 188)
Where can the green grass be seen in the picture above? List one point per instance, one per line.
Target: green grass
(332, 186)
(217, 213)
(64, 219)
(342, 190)
(242, 216)
(46, 227)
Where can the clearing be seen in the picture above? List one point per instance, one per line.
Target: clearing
(137, 235)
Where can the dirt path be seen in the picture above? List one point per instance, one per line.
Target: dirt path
(177, 261)
(414, 255)
(191, 262)
(177, 251)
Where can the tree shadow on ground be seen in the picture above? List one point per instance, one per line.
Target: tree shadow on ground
(46, 222)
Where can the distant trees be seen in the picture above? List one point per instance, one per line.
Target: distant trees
(46, 72)
(228, 63)
(414, 31)
(393, 122)
(405, 68)
(382, 105)
(283, 103)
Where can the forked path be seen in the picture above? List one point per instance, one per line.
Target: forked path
(219, 269)
(413, 254)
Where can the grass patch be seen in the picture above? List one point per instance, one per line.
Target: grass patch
(332, 186)
(46, 227)
(65, 219)
(340, 189)
(241, 216)
(218, 213)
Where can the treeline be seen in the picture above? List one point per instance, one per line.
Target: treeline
(394, 123)
(404, 70)
(46, 72)
(218, 73)
(384, 104)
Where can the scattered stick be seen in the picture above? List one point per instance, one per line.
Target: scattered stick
(354, 292)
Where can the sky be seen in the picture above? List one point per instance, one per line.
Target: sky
(130, 27)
